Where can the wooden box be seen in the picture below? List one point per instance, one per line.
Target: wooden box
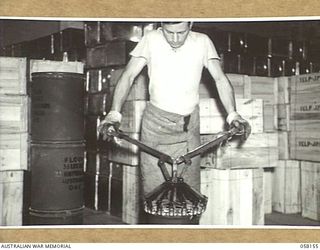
(97, 162)
(139, 89)
(286, 196)
(13, 113)
(283, 119)
(213, 115)
(110, 54)
(268, 175)
(116, 189)
(132, 112)
(208, 90)
(305, 145)
(284, 145)
(91, 190)
(235, 197)
(270, 117)
(106, 79)
(305, 104)
(13, 75)
(103, 32)
(310, 189)
(91, 132)
(258, 151)
(14, 151)
(130, 204)
(283, 93)
(209, 158)
(98, 103)
(264, 88)
(126, 153)
(11, 198)
(102, 79)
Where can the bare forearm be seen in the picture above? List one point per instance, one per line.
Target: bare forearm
(226, 94)
(121, 92)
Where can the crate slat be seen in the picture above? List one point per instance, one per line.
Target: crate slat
(130, 205)
(287, 187)
(235, 197)
(14, 151)
(259, 151)
(11, 198)
(13, 75)
(310, 188)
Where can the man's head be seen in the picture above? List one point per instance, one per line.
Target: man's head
(176, 33)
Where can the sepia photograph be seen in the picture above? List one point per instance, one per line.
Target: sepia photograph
(196, 123)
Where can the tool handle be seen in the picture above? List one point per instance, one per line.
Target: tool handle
(204, 147)
(161, 156)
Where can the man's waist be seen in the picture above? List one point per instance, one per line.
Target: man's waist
(175, 108)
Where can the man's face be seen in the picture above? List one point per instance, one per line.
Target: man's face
(176, 34)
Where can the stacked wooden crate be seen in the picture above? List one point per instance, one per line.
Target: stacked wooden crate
(108, 47)
(13, 139)
(304, 138)
(255, 101)
(286, 193)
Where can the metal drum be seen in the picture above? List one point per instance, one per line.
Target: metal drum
(57, 180)
(57, 106)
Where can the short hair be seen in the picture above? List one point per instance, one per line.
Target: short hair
(174, 22)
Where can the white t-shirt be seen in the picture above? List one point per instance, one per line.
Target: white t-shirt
(175, 73)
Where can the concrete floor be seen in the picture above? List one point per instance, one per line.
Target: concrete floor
(92, 217)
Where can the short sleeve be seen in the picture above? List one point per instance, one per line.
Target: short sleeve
(143, 48)
(210, 51)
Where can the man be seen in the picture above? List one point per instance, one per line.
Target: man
(175, 57)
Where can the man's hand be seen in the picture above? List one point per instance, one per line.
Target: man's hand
(109, 125)
(236, 121)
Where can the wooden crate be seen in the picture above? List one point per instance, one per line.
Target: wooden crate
(11, 198)
(284, 145)
(283, 119)
(264, 88)
(207, 90)
(14, 151)
(126, 153)
(305, 146)
(97, 162)
(105, 79)
(270, 117)
(132, 112)
(103, 32)
(209, 158)
(258, 151)
(139, 89)
(286, 196)
(13, 75)
(110, 54)
(130, 204)
(97, 103)
(268, 174)
(213, 115)
(284, 86)
(305, 103)
(55, 66)
(304, 140)
(101, 79)
(91, 190)
(235, 197)
(310, 189)
(14, 113)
